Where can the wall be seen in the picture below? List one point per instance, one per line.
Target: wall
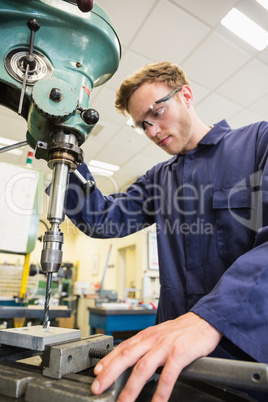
(90, 255)
(87, 251)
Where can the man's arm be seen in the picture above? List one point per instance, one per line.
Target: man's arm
(116, 215)
(237, 307)
(238, 304)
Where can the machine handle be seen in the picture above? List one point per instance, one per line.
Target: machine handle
(29, 61)
(89, 185)
(85, 5)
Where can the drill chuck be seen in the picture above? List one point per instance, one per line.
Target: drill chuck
(51, 256)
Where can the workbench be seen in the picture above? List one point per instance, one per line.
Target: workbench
(120, 320)
(7, 312)
(10, 313)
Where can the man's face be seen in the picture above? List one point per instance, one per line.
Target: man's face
(168, 123)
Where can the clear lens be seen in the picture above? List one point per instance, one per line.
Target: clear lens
(155, 114)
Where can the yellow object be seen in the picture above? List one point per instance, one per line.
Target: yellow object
(18, 322)
(25, 274)
(77, 270)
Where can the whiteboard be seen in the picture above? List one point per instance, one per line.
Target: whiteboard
(19, 208)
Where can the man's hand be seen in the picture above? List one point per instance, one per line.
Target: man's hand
(172, 344)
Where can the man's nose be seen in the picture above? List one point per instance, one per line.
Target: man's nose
(152, 130)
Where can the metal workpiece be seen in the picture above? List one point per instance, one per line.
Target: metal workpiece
(74, 357)
(36, 338)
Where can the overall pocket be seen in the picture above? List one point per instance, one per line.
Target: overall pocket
(235, 220)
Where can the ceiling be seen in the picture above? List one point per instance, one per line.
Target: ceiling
(229, 78)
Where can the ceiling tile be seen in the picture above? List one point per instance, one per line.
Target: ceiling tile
(155, 152)
(13, 126)
(209, 11)
(127, 17)
(260, 106)
(246, 85)
(104, 104)
(114, 154)
(199, 91)
(254, 11)
(127, 138)
(130, 62)
(244, 118)
(141, 163)
(91, 148)
(107, 131)
(108, 184)
(214, 61)
(168, 34)
(263, 56)
(215, 107)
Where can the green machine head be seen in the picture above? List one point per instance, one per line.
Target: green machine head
(52, 56)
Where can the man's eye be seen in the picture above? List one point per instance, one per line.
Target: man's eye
(159, 112)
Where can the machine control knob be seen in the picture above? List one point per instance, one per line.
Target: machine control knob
(89, 186)
(55, 95)
(90, 116)
(33, 24)
(85, 5)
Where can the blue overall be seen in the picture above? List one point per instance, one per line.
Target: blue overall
(211, 216)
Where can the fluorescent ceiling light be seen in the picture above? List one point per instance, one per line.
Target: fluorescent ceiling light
(101, 172)
(5, 142)
(246, 29)
(104, 165)
(263, 3)
(103, 168)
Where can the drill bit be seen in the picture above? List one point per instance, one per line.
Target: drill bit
(46, 307)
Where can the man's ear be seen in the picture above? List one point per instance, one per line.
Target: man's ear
(186, 95)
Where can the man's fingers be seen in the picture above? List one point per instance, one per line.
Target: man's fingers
(141, 373)
(173, 344)
(113, 365)
(112, 355)
(166, 383)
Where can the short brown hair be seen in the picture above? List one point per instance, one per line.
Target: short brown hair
(164, 72)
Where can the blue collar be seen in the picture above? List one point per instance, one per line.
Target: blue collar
(214, 135)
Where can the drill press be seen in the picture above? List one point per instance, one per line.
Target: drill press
(53, 55)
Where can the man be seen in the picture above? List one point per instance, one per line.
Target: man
(209, 206)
